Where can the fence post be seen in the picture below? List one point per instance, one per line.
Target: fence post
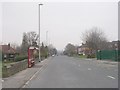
(100, 54)
(116, 55)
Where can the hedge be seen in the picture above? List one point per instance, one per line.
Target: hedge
(91, 56)
(21, 57)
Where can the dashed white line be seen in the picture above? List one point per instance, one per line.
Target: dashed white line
(111, 77)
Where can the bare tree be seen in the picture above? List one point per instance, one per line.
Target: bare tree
(95, 39)
(29, 39)
(32, 38)
(51, 49)
(14, 45)
(70, 49)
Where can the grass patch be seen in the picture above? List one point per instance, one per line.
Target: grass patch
(82, 56)
(7, 63)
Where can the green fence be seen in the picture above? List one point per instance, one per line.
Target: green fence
(108, 55)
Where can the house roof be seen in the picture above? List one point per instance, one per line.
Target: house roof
(82, 46)
(7, 49)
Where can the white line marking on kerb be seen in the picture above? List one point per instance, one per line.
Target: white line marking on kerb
(32, 77)
(111, 77)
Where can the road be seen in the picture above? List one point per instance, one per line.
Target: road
(70, 72)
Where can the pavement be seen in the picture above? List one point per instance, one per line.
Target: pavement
(103, 61)
(18, 80)
(70, 72)
(108, 62)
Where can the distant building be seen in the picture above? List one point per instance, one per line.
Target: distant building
(114, 45)
(83, 49)
(7, 52)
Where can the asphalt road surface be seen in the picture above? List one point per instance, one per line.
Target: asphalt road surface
(70, 72)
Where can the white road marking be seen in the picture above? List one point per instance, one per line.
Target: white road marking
(32, 77)
(2, 80)
(111, 77)
(26, 83)
(89, 68)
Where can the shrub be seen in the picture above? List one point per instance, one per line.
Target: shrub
(80, 54)
(36, 55)
(91, 56)
(42, 55)
(21, 57)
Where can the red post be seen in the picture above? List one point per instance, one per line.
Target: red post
(28, 57)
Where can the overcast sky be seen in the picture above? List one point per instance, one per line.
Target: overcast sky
(64, 21)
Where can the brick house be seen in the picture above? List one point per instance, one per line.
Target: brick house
(7, 52)
(114, 45)
(83, 49)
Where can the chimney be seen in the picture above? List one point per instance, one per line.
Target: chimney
(9, 46)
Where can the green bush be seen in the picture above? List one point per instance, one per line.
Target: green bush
(80, 54)
(83, 56)
(42, 55)
(21, 57)
(91, 56)
(36, 55)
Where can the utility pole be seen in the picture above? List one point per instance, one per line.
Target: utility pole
(39, 31)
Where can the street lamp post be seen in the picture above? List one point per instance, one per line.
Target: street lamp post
(39, 31)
